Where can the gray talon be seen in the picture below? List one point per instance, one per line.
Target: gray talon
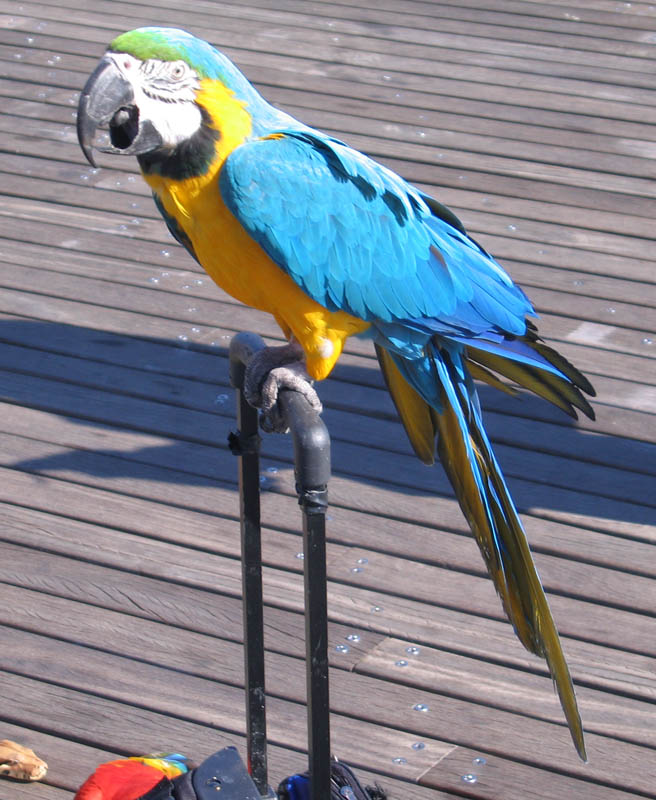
(269, 371)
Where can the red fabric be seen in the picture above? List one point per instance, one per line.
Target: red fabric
(119, 780)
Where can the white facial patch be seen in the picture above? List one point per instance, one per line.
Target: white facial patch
(165, 94)
(174, 122)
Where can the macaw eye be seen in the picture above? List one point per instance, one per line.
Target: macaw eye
(178, 71)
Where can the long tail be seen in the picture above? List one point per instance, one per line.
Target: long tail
(436, 399)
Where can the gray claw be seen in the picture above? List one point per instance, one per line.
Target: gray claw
(269, 371)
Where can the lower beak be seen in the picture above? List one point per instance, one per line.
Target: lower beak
(108, 99)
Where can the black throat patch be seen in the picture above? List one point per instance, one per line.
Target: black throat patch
(189, 159)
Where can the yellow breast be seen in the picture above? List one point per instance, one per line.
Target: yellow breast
(234, 260)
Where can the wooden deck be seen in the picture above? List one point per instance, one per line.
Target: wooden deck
(119, 570)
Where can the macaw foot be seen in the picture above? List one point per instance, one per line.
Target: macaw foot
(269, 371)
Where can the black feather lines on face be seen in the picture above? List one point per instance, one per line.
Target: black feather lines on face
(190, 159)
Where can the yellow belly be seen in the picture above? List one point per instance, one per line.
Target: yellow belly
(238, 264)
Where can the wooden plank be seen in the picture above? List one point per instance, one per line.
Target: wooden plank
(191, 653)
(203, 462)
(78, 240)
(638, 397)
(359, 42)
(345, 414)
(115, 726)
(498, 686)
(499, 777)
(348, 528)
(605, 10)
(210, 703)
(424, 24)
(72, 262)
(156, 640)
(531, 14)
(423, 18)
(541, 8)
(199, 459)
(579, 284)
(595, 200)
(596, 319)
(472, 74)
(611, 391)
(444, 116)
(635, 595)
(559, 328)
(463, 161)
(418, 108)
(425, 32)
(555, 242)
(65, 148)
(603, 624)
(484, 142)
(129, 15)
(508, 208)
(83, 179)
(545, 299)
(70, 763)
(119, 727)
(199, 610)
(197, 426)
(508, 161)
(445, 143)
(40, 791)
(429, 669)
(442, 49)
(615, 516)
(414, 23)
(594, 69)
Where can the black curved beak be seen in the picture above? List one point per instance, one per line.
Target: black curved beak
(108, 100)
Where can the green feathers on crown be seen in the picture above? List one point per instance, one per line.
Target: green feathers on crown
(173, 44)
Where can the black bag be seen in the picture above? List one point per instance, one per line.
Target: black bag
(222, 772)
(343, 786)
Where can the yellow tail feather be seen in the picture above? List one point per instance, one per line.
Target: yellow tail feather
(524, 591)
(415, 413)
(541, 382)
(493, 520)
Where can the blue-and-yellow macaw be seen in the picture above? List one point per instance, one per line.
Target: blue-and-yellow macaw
(294, 222)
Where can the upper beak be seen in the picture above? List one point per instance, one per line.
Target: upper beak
(108, 98)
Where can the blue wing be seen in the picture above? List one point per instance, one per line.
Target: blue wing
(356, 237)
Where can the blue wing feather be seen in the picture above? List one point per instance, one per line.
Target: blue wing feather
(356, 237)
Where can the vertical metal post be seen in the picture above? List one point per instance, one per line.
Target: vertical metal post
(312, 460)
(312, 466)
(316, 651)
(245, 444)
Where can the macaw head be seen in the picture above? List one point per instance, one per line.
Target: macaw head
(149, 89)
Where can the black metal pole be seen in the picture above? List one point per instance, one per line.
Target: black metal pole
(316, 652)
(312, 469)
(245, 444)
(312, 460)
